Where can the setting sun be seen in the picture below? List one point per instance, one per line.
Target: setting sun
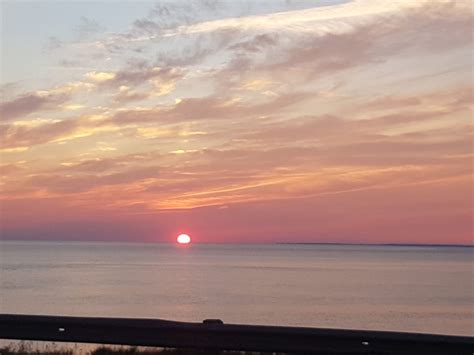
(183, 239)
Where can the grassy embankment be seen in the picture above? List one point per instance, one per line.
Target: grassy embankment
(28, 349)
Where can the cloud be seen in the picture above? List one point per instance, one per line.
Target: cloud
(25, 134)
(210, 108)
(30, 103)
(108, 164)
(373, 117)
(453, 99)
(126, 95)
(53, 43)
(316, 46)
(100, 77)
(87, 28)
(10, 169)
(41, 100)
(155, 81)
(356, 216)
(170, 15)
(144, 74)
(257, 43)
(80, 183)
(16, 136)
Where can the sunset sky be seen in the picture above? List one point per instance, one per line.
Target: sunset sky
(237, 121)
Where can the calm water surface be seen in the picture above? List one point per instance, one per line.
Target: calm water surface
(427, 289)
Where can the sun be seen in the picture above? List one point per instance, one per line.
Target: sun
(183, 239)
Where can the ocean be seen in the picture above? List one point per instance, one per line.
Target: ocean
(405, 288)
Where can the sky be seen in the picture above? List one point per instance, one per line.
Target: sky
(237, 121)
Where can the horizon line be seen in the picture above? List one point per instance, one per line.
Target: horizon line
(243, 243)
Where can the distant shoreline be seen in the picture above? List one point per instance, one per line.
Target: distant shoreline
(378, 244)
